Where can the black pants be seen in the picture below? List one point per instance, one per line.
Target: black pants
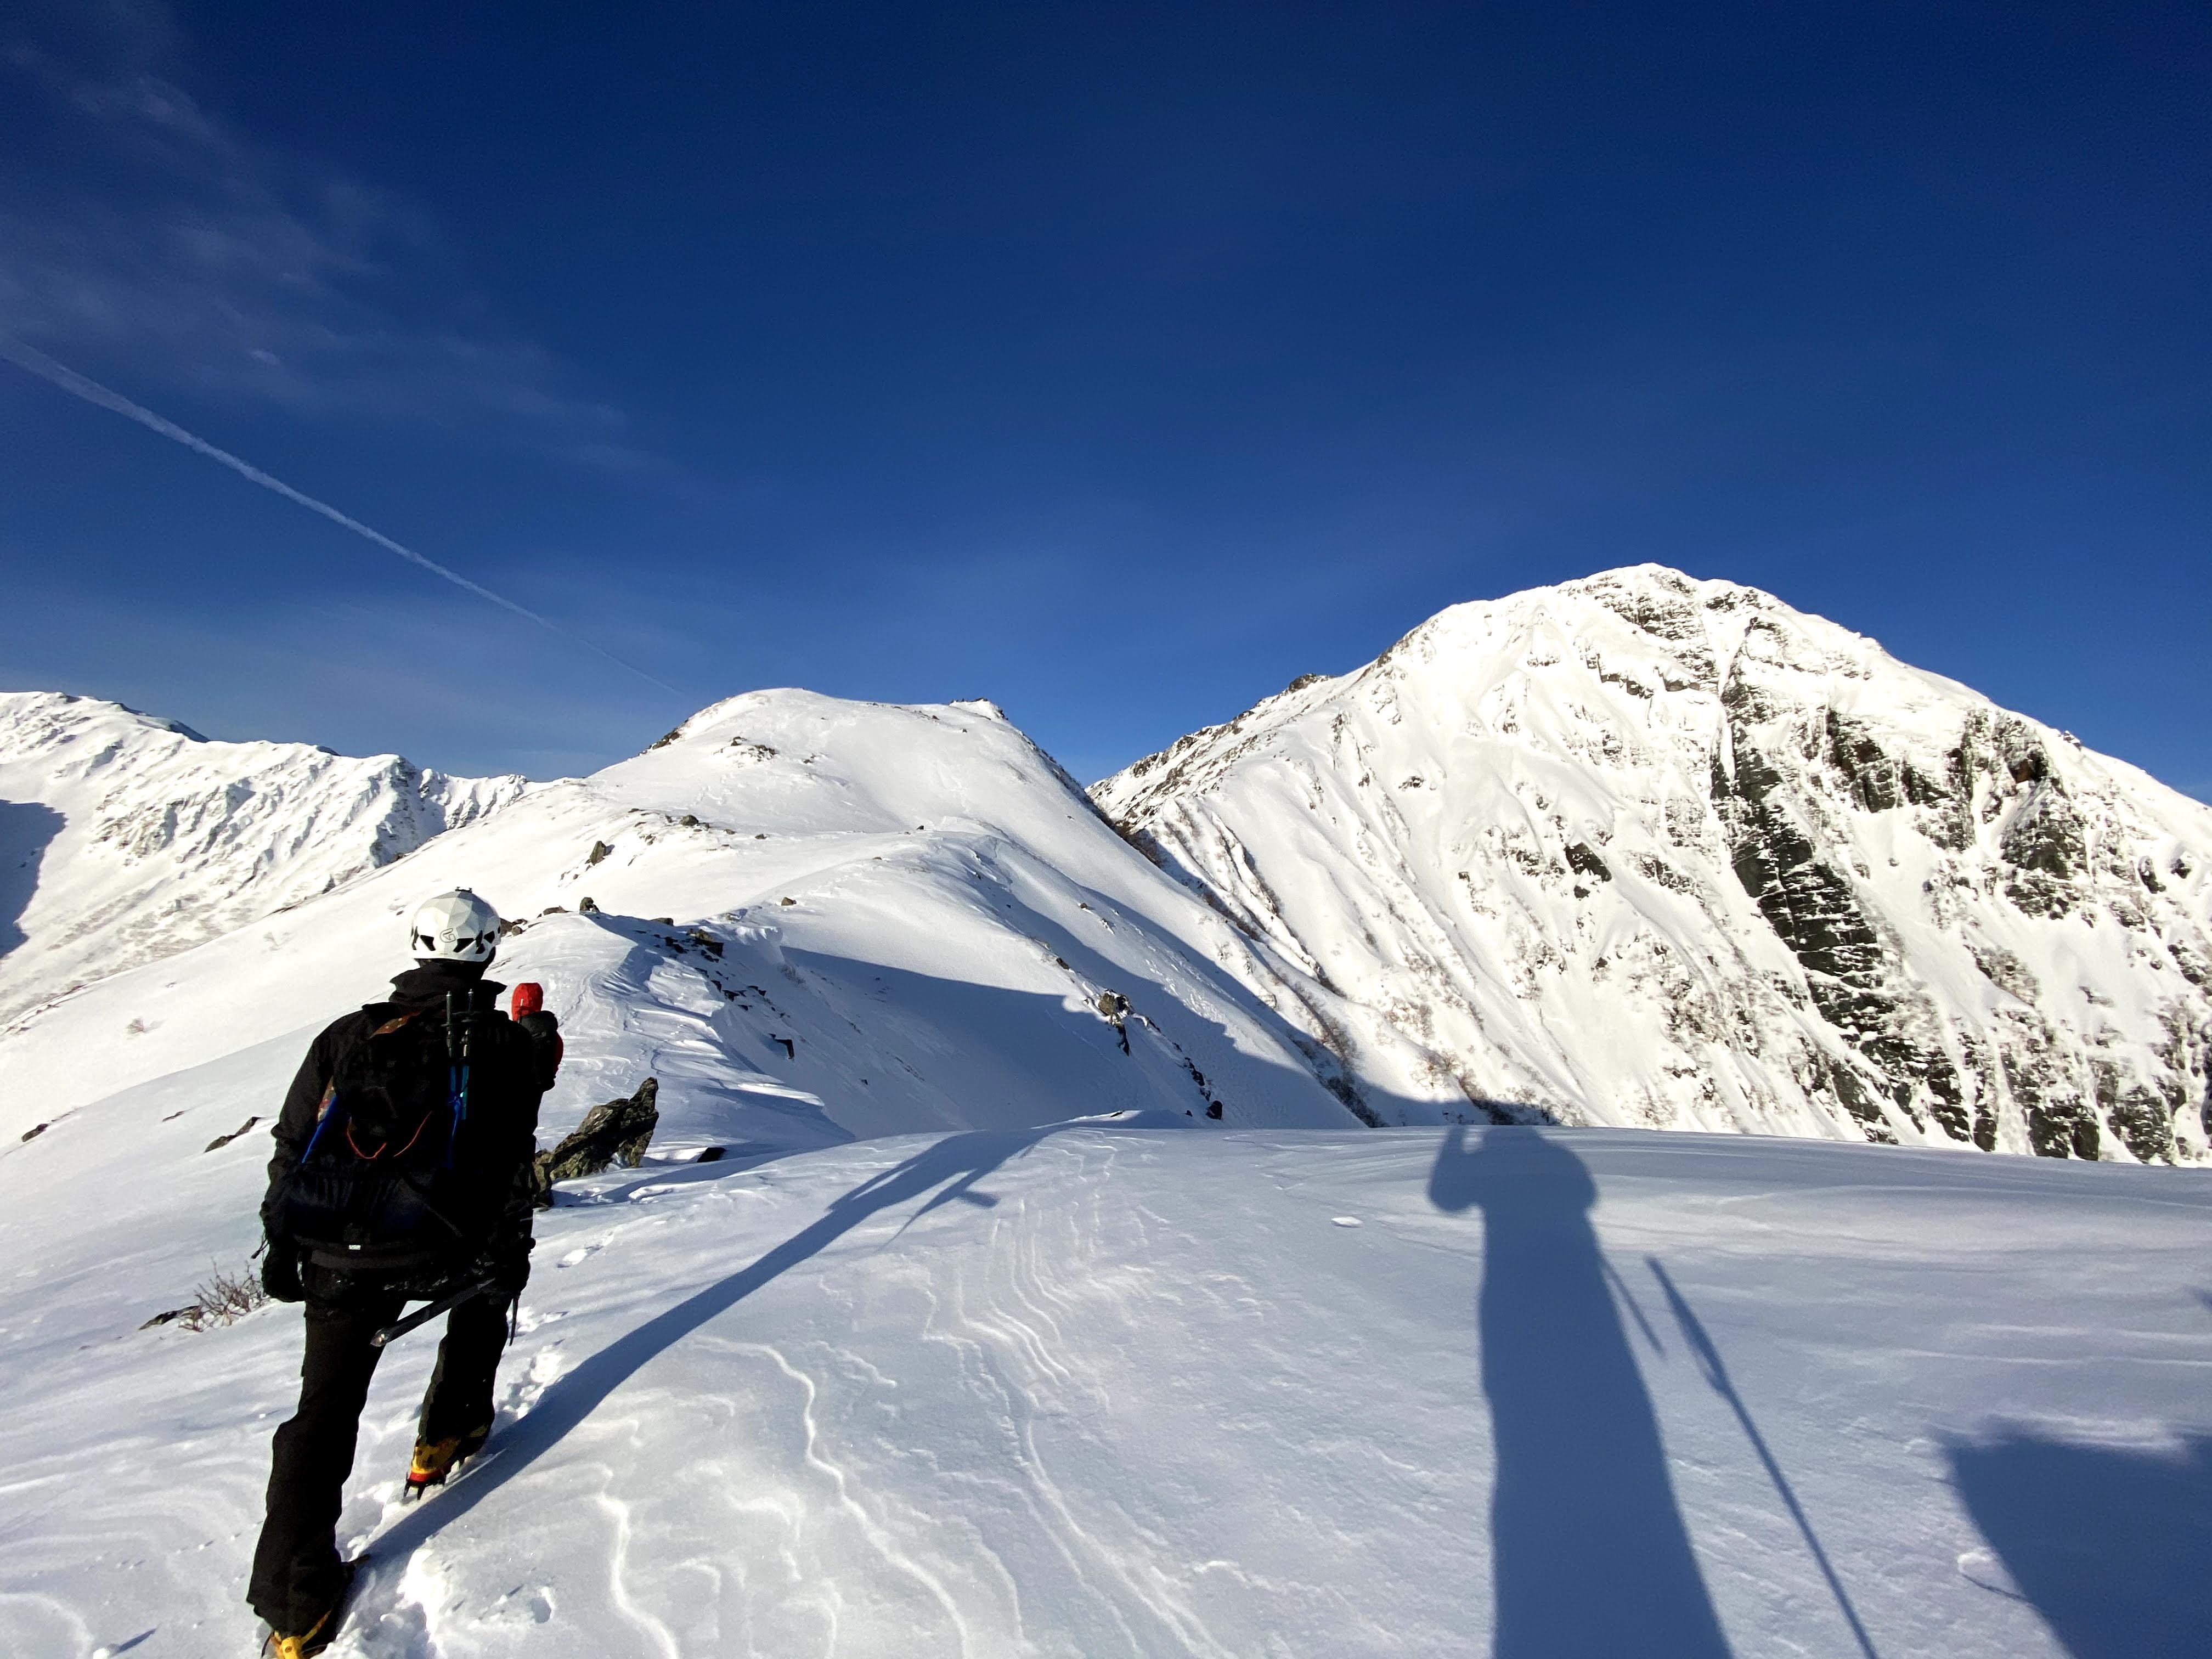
(296, 1574)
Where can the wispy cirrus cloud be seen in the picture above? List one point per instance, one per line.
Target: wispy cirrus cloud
(142, 227)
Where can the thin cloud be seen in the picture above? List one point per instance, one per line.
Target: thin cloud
(78, 385)
(214, 264)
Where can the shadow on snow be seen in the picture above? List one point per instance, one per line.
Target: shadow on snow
(1589, 1554)
(26, 830)
(945, 1171)
(2108, 1542)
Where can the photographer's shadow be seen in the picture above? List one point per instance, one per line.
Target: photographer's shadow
(1590, 1556)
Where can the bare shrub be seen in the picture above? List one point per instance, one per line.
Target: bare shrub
(221, 1299)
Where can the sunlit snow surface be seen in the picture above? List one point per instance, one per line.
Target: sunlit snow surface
(998, 1382)
(1120, 1388)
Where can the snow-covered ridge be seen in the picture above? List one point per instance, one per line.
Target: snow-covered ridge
(810, 918)
(1642, 849)
(125, 839)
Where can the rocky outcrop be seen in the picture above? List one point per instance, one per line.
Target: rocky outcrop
(613, 1132)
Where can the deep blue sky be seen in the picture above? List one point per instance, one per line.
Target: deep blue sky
(1119, 362)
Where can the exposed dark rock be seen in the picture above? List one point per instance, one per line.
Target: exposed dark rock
(2194, 968)
(586, 906)
(1877, 780)
(616, 1131)
(599, 850)
(1586, 862)
(2047, 847)
(1815, 910)
(2060, 1123)
(2062, 1128)
(2137, 1115)
(1667, 612)
(1841, 1084)
(2007, 972)
(221, 1141)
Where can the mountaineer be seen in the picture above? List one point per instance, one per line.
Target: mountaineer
(402, 1173)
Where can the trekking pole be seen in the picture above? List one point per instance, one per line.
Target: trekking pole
(415, 1320)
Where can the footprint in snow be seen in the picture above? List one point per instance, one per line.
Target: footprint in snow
(1346, 1220)
(545, 1368)
(517, 1607)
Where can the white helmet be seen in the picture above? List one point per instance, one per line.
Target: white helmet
(455, 926)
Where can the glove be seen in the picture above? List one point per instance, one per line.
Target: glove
(544, 1031)
(280, 1271)
(506, 1263)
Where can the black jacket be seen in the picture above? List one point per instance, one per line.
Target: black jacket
(510, 1070)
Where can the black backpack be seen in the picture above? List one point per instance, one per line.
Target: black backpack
(388, 1183)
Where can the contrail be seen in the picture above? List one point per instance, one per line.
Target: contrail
(37, 363)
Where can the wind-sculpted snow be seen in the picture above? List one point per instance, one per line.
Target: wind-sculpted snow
(125, 839)
(1644, 850)
(1117, 1390)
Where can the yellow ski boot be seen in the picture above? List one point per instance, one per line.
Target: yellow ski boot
(434, 1460)
(320, 1634)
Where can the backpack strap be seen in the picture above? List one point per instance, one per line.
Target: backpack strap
(322, 1118)
(325, 1109)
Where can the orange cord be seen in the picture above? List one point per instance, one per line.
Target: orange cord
(371, 1158)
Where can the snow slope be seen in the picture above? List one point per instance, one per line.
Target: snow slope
(920, 1366)
(1644, 850)
(1107, 1388)
(812, 920)
(125, 839)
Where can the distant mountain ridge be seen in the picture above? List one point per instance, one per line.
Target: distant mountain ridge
(126, 838)
(1644, 849)
(1637, 850)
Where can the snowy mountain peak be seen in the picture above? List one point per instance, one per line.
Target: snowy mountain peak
(1644, 849)
(126, 838)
